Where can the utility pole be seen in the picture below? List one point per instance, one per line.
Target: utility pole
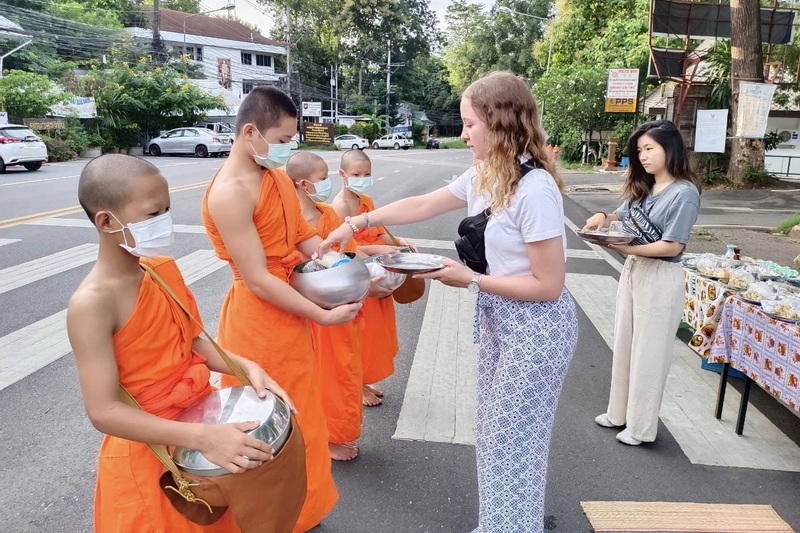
(389, 66)
(336, 81)
(388, 82)
(157, 32)
(289, 53)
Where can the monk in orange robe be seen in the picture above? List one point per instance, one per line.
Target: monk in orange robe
(380, 326)
(125, 329)
(338, 348)
(252, 217)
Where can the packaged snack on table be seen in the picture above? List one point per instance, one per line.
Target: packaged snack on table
(760, 291)
(740, 278)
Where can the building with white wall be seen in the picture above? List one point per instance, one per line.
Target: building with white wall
(228, 51)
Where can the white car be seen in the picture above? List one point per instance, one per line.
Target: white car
(393, 140)
(350, 142)
(198, 141)
(294, 143)
(21, 146)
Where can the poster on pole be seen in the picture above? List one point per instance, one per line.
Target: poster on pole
(622, 90)
(711, 130)
(312, 109)
(3, 118)
(755, 100)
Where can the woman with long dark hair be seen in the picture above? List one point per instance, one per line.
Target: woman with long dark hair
(662, 199)
(526, 324)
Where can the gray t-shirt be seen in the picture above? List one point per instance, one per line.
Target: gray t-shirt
(673, 210)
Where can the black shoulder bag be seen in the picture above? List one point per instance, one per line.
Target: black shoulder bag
(470, 246)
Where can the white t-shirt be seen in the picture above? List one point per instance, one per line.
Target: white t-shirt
(536, 213)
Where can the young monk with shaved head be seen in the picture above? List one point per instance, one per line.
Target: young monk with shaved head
(252, 216)
(338, 348)
(126, 330)
(380, 344)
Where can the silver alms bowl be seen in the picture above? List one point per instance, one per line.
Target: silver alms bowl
(332, 287)
(227, 406)
(393, 279)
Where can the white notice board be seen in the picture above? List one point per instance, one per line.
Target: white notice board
(711, 130)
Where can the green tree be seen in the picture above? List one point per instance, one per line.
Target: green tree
(146, 98)
(28, 95)
(574, 99)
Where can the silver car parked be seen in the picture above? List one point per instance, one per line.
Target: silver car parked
(198, 141)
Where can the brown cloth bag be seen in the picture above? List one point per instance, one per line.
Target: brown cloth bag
(412, 288)
(266, 499)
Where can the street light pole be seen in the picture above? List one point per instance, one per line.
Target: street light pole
(226, 7)
(20, 47)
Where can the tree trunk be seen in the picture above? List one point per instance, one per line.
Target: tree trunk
(746, 65)
(360, 73)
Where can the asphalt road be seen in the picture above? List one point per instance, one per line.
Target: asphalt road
(48, 448)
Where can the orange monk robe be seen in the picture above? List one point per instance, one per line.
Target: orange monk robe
(380, 343)
(153, 351)
(339, 351)
(279, 341)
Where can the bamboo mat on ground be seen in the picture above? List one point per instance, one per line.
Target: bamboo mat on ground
(674, 517)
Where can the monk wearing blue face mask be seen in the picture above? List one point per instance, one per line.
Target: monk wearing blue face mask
(252, 217)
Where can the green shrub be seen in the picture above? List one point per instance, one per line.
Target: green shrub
(357, 129)
(61, 150)
(417, 129)
(758, 177)
(339, 129)
(715, 177)
(326, 148)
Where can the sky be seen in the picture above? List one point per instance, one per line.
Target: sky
(251, 10)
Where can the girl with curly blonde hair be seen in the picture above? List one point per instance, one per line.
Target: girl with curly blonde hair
(526, 326)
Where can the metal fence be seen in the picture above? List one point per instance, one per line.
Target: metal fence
(783, 165)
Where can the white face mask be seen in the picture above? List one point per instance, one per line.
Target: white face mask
(359, 185)
(153, 236)
(277, 156)
(323, 191)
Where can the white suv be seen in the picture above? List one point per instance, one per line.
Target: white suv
(393, 140)
(20, 146)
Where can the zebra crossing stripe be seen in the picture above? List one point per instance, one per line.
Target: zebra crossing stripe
(20, 275)
(35, 346)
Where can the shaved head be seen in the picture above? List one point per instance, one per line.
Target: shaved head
(306, 166)
(352, 157)
(104, 182)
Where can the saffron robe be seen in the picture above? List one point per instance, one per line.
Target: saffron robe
(280, 341)
(156, 364)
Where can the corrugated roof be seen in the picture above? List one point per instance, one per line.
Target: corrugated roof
(207, 26)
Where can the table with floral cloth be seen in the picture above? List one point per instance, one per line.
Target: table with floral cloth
(765, 349)
(705, 299)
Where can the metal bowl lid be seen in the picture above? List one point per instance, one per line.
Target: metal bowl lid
(227, 406)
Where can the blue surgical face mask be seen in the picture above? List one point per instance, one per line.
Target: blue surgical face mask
(323, 191)
(278, 154)
(359, 185)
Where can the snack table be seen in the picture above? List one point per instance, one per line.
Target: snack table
(764, 349)
(702, 310)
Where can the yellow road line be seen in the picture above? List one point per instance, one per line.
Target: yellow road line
(24, 219)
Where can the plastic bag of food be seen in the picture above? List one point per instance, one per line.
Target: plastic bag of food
(706, 264)
(760, 291)
(741, 278)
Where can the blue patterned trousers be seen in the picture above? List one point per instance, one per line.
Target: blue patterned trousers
(523, 355)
